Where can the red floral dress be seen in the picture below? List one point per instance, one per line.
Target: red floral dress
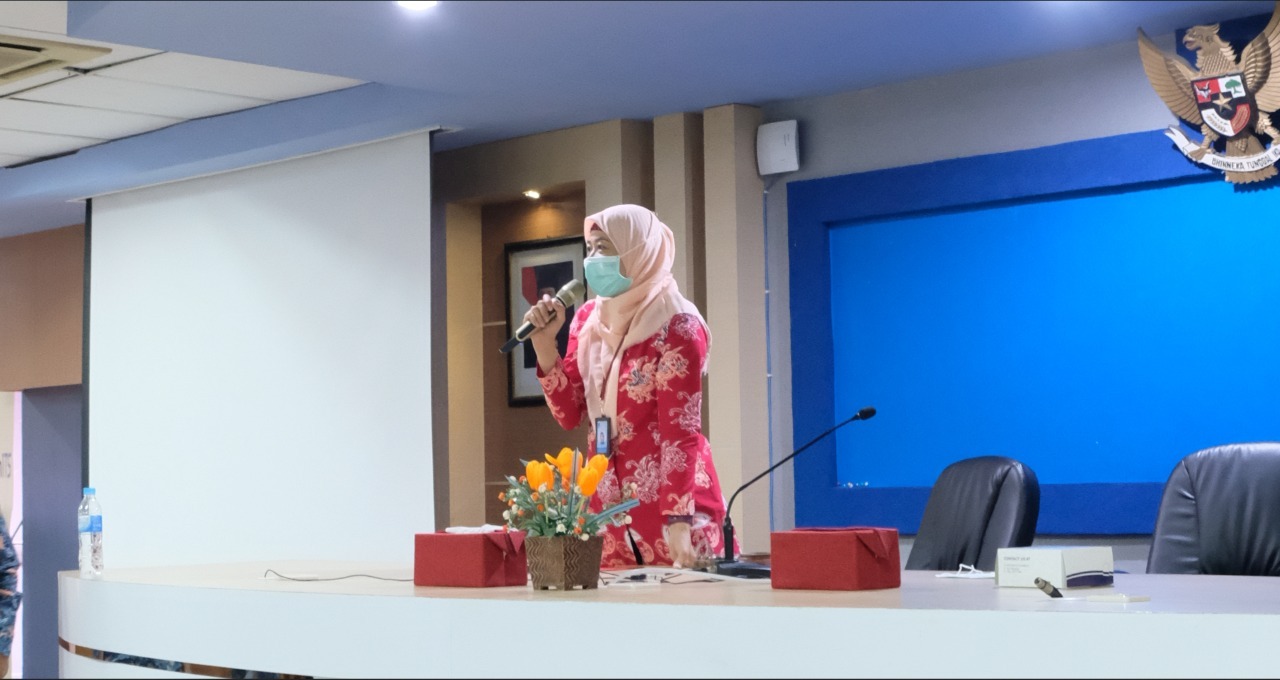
(659, 444)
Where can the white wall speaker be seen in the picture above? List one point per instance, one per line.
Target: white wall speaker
(777, 148)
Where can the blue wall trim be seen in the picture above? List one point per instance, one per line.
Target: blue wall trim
(815, 206)
(51, 490)
(1074, 508)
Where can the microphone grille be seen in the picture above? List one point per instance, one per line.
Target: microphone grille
(866, 413)
(572, 293)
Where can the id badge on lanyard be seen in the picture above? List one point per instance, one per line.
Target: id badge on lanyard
(602, 436)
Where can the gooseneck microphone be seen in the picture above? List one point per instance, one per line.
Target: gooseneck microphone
(731, 567)
(568, 295)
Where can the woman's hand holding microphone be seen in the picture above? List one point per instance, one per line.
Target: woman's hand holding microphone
(547, 318)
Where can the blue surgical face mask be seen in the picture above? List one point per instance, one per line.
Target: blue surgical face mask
(604, 275)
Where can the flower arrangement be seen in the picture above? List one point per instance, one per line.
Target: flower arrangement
(554, 498)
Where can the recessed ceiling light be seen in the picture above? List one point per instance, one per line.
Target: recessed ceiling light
(533, 195)
(417, 6)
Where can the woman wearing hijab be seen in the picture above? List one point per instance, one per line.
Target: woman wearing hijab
(633, 368)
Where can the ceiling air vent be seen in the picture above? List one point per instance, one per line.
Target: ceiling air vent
(24, 57)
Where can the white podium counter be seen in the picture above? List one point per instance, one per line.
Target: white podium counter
(231, 617)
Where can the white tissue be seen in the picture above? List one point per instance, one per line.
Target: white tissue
(484, 529)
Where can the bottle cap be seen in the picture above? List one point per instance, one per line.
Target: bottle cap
(89, 490)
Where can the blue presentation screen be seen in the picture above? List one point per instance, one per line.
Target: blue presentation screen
(1097, 338)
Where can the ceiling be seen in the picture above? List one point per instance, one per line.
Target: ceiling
(485, 71)
(128, 91)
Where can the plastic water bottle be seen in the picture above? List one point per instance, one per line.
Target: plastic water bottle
(90, 521)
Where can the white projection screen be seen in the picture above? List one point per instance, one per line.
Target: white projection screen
(259, 361)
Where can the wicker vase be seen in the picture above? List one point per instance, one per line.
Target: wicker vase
(564, 562)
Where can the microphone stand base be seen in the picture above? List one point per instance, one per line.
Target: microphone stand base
(741, 569)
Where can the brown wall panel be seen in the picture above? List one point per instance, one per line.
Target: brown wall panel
(513, 433)
(41, 308)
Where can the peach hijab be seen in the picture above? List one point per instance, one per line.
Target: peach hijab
(647, 250)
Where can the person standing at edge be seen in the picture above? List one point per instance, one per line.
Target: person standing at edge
(633, 367)
(10, 598)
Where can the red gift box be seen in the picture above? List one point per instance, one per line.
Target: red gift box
(849, 558)
(486, 560)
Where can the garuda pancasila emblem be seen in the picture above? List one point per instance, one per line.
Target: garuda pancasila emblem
(1230, 99)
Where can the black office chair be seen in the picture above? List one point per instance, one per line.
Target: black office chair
(1220, 513)
(977, 506)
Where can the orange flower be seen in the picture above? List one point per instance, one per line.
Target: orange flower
(591, 474)
(502, 496)
(539, 473)
(564, 463)
(588, 478)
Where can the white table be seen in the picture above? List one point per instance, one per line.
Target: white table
(230, 616)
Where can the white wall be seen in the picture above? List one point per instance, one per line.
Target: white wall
(259, 361)
(1052, 100)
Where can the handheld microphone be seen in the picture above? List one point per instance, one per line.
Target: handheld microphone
(568, 295)
(731, 567)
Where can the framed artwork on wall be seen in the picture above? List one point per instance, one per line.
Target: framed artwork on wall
(535, 268)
